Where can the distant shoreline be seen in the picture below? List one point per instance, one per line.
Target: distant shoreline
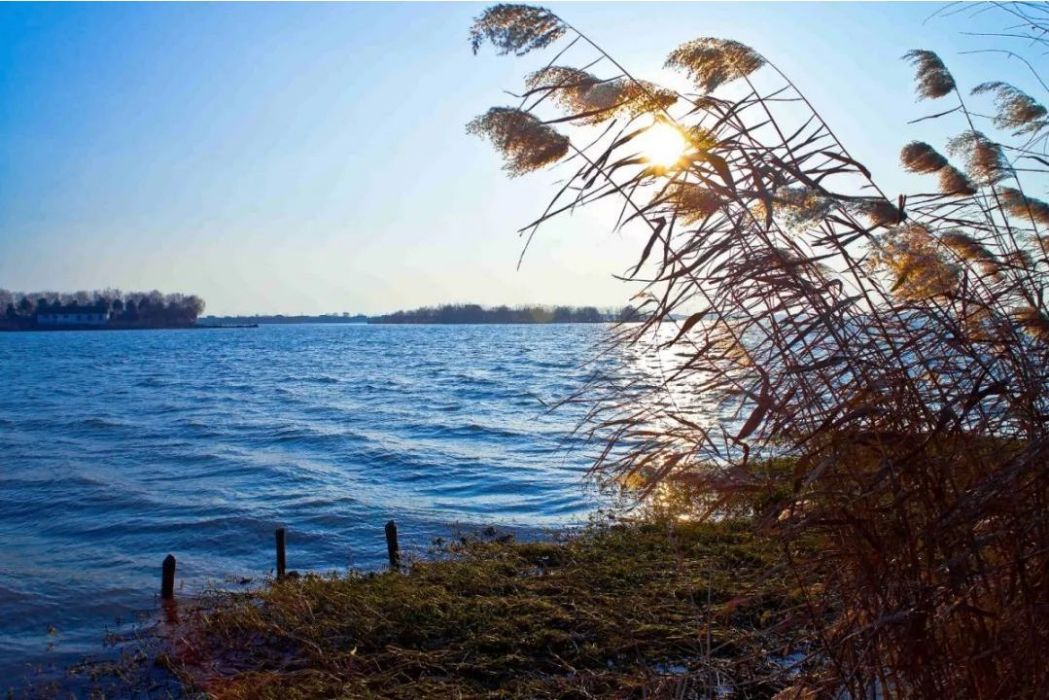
(444, 315)
(279, 320)
(59, 329)
(452, 315)
(488, 323)
(218, 324)
(379, 322)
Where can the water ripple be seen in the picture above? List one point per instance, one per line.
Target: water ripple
(119, 448)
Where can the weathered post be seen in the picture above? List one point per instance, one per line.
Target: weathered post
(392, 547)
(167, 578)
(281, 560)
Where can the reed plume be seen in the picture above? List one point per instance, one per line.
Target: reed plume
(525, 142)
(985, 162)
(955, 182)
(693, 202)
(1021, 206)
(1017, 110)
(932, 79)
(594, 101)
(712, 62)
(516, 29)
(918, 157)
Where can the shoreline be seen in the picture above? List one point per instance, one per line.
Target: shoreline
(221, 326)
(44, 329)
(619, 608)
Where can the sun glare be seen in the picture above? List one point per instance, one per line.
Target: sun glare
(661, 144)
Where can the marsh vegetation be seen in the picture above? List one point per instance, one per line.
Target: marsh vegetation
(894, 347)
(659, 608)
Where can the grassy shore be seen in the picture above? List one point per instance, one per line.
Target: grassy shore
(660, 608)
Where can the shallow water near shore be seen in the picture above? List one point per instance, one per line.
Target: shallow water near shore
(119, 448)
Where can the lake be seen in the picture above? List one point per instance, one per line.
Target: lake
(117, 448)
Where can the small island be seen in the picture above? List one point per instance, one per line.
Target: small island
(101, 310)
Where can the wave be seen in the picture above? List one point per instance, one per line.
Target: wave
(321, 379)
(97, 422)
(203, 444)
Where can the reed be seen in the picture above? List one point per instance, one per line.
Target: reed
(894, 348)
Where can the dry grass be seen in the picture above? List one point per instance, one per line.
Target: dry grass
(656, 609)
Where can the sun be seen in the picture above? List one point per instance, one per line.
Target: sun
(662, 145)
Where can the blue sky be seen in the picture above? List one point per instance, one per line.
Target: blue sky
(312, 157)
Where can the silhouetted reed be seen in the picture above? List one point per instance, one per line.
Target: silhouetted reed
(893, 351)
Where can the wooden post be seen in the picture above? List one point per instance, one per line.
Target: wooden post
(392, 547)
(281, 560)
(167, 578)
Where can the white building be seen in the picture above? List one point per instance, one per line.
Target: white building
(73, 316)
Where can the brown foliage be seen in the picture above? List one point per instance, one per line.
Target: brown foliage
(897, 349)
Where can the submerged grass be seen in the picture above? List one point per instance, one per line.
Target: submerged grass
(660, 608)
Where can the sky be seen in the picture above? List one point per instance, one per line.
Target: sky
(312, 158)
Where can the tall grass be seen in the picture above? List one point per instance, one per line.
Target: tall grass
(894, 347)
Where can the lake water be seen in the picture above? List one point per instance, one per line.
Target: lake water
(117, 448)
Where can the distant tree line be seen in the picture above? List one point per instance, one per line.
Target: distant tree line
(126, 309)
(281, 319)
(474, 313)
